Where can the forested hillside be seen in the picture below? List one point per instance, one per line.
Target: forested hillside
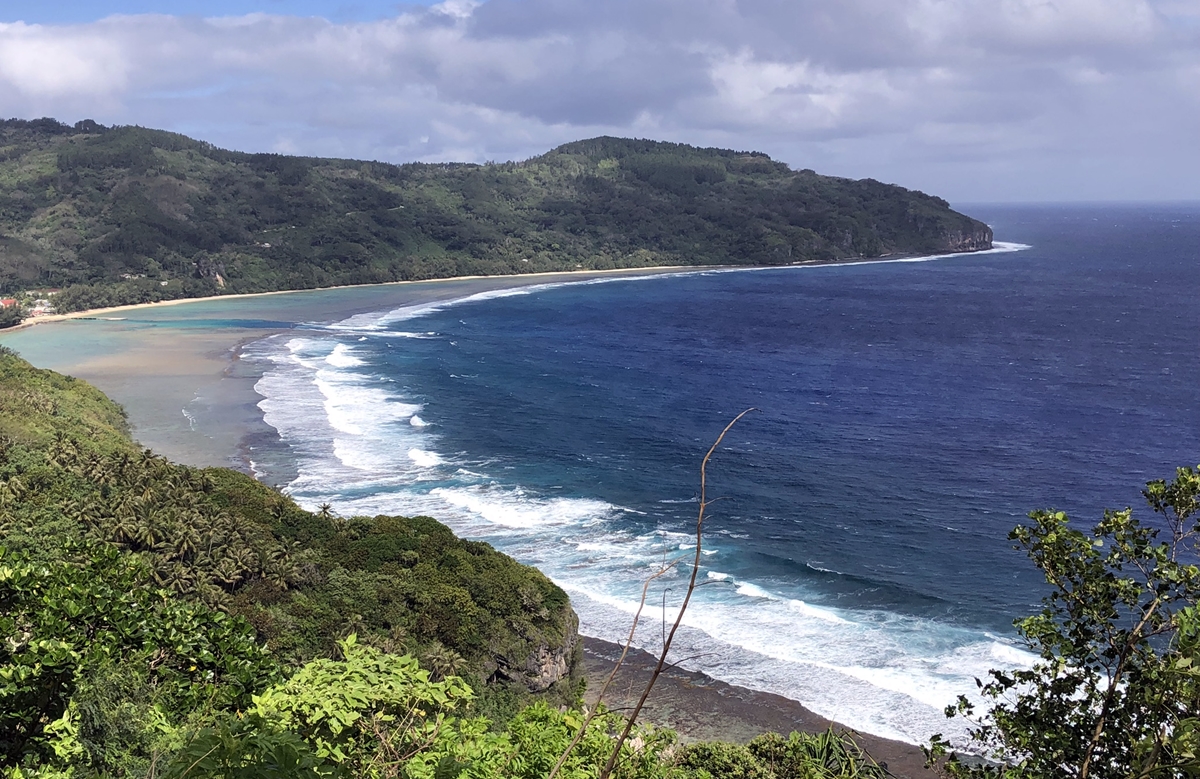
(127, 214)
(72, 485)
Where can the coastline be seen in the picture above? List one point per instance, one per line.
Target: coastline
(160, 371)
(168, 363)
(701, 708)
(523, 279)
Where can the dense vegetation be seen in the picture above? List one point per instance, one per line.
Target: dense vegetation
(127, 215)
(218, 537)
(71, 482)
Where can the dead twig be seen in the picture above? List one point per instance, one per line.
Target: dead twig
(662, 658)
(624, 651)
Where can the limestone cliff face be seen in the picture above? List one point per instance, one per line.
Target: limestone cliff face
(974, 240)
(541, 663)
(548, 665)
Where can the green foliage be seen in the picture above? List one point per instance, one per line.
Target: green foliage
(376, 715)
(379, 716)
(152, 559)
(248, 748)
(38, 406)
(68, 624)
(540, 735)
(11, 316)
(1116, 692)
(368, 711)
(721, 761)
(827, 755)
(69, 471)
(112, 213)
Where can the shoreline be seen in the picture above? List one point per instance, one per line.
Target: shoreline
(701, 708)
(649, 270)
(182, 359)
(997, 246)
(165, 371)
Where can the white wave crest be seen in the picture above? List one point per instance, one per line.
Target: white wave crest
(754, 591)
(424, 459)
(516, 509)
(341, 357)
(816, 613)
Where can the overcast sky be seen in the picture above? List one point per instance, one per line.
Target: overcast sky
(974, 100)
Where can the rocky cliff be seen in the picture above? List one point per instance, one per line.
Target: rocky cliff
(968, 240)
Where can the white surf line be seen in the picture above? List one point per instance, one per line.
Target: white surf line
(408, 313)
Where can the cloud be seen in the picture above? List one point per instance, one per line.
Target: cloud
(43, 62)
(977, 98)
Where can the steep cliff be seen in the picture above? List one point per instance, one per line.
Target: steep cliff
(968, 241)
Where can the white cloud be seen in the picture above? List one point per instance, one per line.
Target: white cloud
(970, 98)
(51, 62)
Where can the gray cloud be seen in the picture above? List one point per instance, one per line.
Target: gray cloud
(973, 99)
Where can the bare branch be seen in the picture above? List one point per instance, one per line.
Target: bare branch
(607, 682)
(662, 658)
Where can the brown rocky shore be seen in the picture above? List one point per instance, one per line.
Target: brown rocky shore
(701, 708)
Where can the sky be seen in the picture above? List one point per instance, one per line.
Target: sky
(973, 100)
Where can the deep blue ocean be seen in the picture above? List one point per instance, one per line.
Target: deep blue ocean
(909, 415)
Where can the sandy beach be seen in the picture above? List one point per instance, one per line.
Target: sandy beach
(518, 280)
(168, 362)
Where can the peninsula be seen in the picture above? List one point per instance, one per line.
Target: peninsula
(127, 215)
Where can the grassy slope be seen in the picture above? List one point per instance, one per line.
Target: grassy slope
(87, 206)
(68, 469)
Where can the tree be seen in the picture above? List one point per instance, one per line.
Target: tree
(68, 625)
(10, 316)
(1116, 689)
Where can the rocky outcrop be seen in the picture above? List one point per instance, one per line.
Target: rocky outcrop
(968, 240)
(549, 663)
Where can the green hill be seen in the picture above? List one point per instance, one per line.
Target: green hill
(126, 214)
(70, 475)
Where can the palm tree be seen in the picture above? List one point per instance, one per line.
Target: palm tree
(64, 451)
(226, 574)
(15, 487)
(246, 560)
(184, 541)
(85, 513)
(175, 577)
(443, 661)
(355, 624)
(279, 574)
(124, 528)
(149, 530)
